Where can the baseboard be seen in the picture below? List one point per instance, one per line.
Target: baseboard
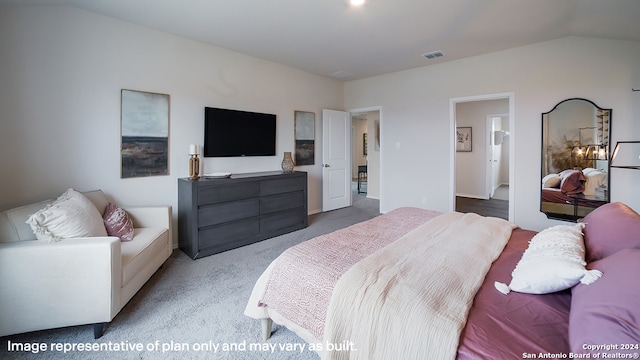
(473, 196)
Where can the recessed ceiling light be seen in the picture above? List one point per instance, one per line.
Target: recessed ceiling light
(357, 2)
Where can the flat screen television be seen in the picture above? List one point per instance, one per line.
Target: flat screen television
(229, 133)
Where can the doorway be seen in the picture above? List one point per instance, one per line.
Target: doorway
(366, 165)
(497, 134)
(476, 169)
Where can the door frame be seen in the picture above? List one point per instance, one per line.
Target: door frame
(512, 140)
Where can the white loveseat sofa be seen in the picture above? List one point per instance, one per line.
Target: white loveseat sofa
(75, 281)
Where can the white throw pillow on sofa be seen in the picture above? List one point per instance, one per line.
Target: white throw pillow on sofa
(71, 215)
(553, 261)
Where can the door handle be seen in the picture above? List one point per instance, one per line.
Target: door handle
(325, 165)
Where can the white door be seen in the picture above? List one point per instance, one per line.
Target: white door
(336, 159)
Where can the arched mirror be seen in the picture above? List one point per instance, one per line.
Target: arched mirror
(575, 159)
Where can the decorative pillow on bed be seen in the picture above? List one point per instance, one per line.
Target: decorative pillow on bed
(551, 181)
(70, 215)
(610, 228)
(594, 179)
(573, 182)
(118, 223)
(553, 261)
(607, 312)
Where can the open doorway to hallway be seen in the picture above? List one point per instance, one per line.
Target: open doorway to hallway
(365, 127)
(482, 164)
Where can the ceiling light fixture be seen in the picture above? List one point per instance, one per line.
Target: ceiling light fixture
(357, 2)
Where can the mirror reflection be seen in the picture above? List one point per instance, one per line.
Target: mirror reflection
(575, 159)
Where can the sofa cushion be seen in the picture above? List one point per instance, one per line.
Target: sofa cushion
(71, 215)
(147, 243)
(98, 199)
(13, 226)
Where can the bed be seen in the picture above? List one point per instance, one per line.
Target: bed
(415, 283)
(573, 192)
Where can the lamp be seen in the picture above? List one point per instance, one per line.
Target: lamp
(597, 150)
(626, 155)
(194, 162)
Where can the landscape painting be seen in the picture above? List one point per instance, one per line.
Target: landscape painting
(144, 133)
(305, 130)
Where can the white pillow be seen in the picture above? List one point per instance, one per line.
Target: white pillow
(551, 181)
(70, 215)
(595, 178)
(553, 261)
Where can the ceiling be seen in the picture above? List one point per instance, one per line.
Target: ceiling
(333, 38)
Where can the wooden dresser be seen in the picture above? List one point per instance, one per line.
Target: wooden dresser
(216, 215)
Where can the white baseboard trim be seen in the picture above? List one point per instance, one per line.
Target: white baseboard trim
(473, 196)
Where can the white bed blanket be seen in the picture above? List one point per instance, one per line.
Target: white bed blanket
(410, 299)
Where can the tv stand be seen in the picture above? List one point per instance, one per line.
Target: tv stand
(220, 214)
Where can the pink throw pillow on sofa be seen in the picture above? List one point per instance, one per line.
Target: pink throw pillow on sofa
(118, 223)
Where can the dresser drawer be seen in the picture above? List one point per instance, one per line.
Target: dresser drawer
(218, 194)
(278, 186)
(227, 234)
(273, 203)
(229, 211)
(282, 221)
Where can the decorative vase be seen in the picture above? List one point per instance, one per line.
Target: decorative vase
(287, 162)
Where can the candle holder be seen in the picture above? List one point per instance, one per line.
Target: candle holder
(194, 162)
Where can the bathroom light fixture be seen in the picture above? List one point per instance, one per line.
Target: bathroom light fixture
(357, 2)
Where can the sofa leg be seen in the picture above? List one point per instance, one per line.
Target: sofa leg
(98, 330)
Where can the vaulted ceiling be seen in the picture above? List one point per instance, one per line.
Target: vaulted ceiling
(334, 38)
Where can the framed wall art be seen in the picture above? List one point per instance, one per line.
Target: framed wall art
(463, 139)
(144, 132)
(305, 130)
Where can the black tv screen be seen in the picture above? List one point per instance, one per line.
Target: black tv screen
(238, 133)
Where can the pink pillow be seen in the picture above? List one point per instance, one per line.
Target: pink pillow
(607, 311)
(610, 228)
(573, 182)
(118, 223)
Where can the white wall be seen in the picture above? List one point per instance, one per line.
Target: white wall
(62, 70)
(416, 128)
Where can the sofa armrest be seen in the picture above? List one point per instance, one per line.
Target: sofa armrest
(150, 216)
(48, 285)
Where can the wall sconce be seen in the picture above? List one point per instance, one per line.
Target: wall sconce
(626, 155)
(194, 162)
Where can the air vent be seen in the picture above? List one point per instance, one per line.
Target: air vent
(433, 54)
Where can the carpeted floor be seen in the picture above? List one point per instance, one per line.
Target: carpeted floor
(194, 309)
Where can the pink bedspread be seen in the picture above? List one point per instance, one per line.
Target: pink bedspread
(508, 326)
(304, 276)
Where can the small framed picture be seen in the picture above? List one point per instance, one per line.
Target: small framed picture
(463, 139)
